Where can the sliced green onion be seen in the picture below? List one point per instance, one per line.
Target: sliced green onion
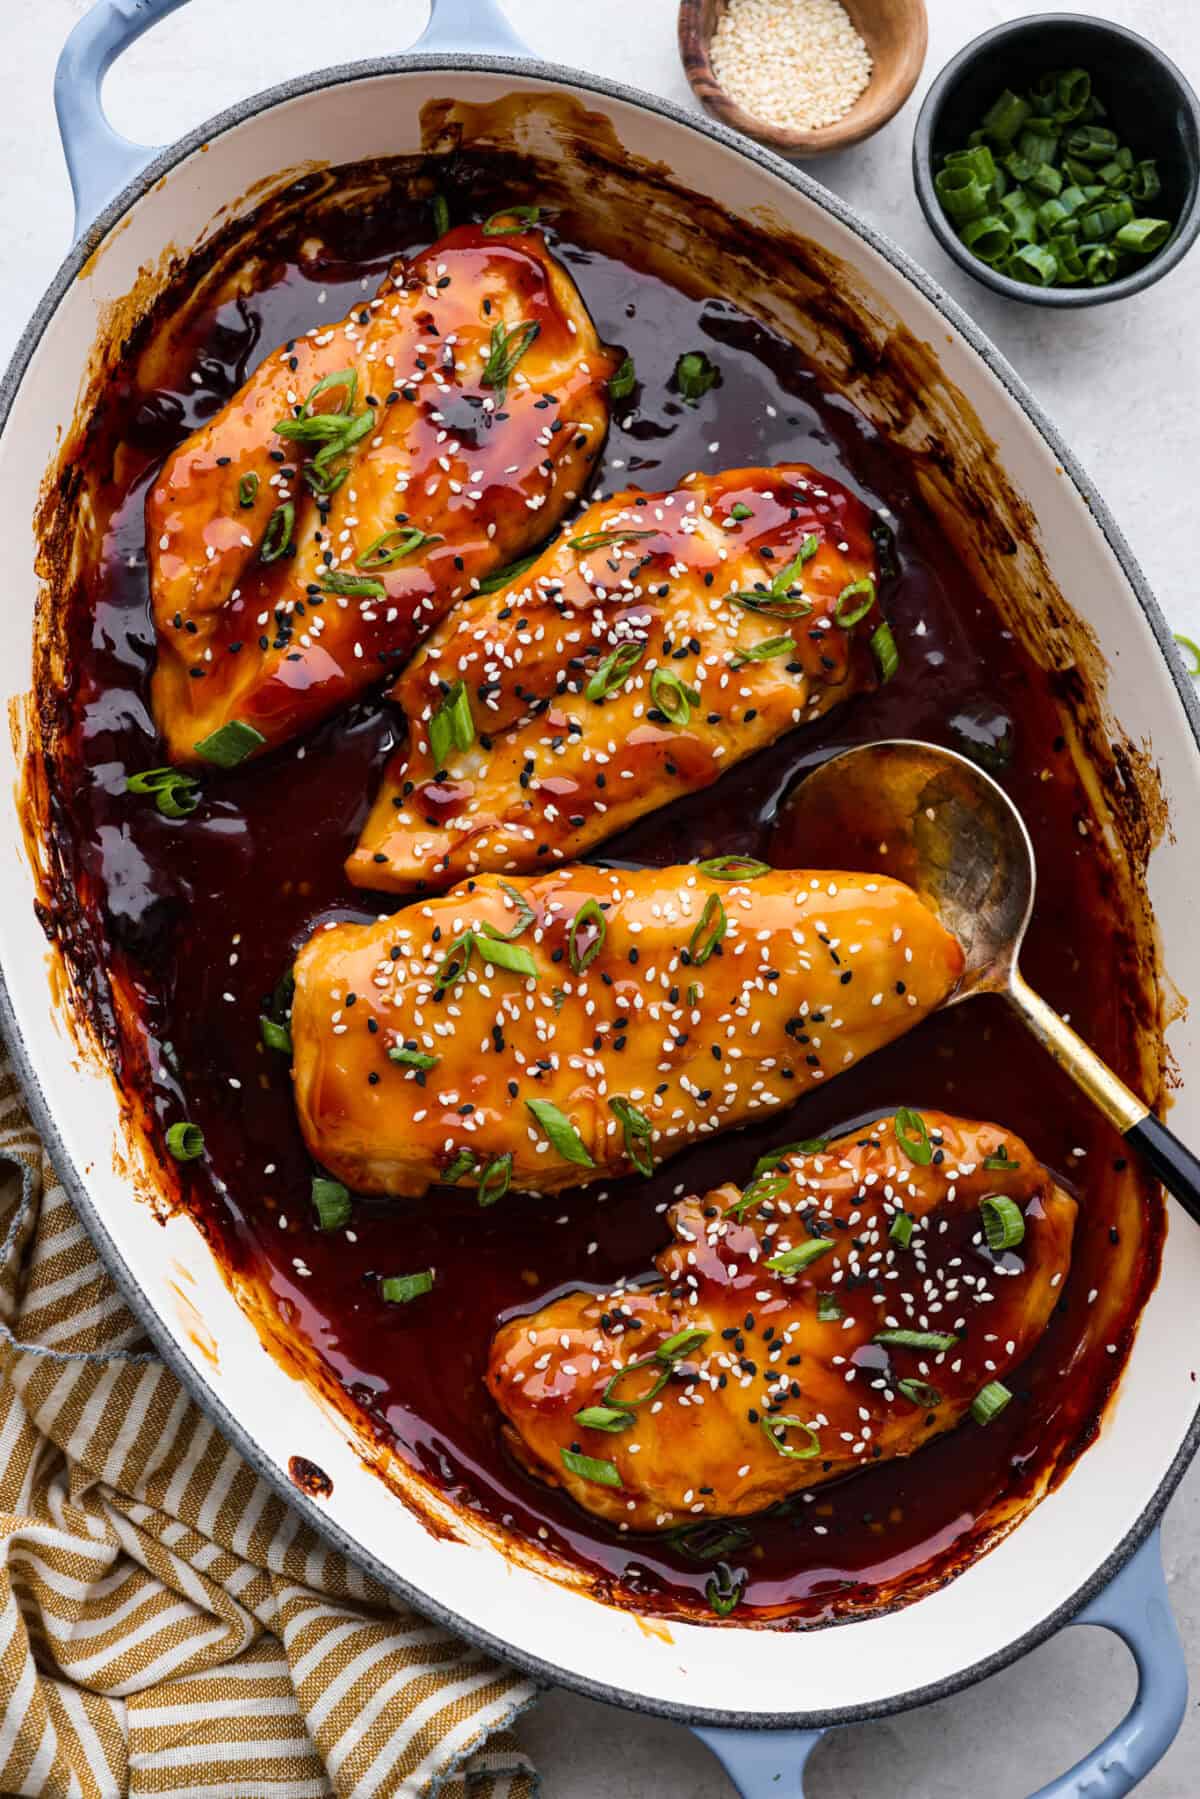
(1037, 146)
(355, 587)
(739, 511)
(709, 1541)
(854, 602)
(733, 868)
(674, 1348)
(694, 375)
(920, 1393)
(394, 546)
(465, 1162)
(1092, 144)
(441, 215)
(615, 670)
(347, 379)
(275, 1036)
(978, 159)
(1142, 236)
(762, 1187)
(710, 931)
(1072, 91)
(1033, 263)
(622, 384)
(451, 727)
(672, 697)
(1144, 183)
(988, 236)
(605, 1417)
(600, 540)
(247, 489)
(989, 1402)
(901, 1231)
(638, 1132)
(804, 1451)
(323, 481)
(883, 648)
(176, 795)
(1045, 180)
(1101, 222)
(1000, 1159)
(1192, 660)
(1005, 117)
(277, 538)
(525, 914)
(724, 1589)
(412, 1058)
(662, 1374)
(1003, 1224)
(453, 965)
(912, 1134)
(331, 1202)
(1101, 264)
(505, 577)
(495, 1180)
(229, 745)
(588, 1467)
(502, 952)
(766, 651)
(961, 192)
(828, 1309)
(185, 1141)
(561, 1132)
(811, 1146)
(509, 344)
(794, 1261)
(398, 1289)
(589, 917)
(524, 215)
(935, 1341)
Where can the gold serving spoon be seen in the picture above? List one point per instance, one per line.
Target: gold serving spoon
(932, 819)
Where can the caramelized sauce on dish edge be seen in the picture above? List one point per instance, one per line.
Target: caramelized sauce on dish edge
(199, 920)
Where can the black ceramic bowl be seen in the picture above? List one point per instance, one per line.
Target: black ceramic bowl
(1151, 108)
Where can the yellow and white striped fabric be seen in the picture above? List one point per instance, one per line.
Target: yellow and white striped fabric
(168, 1625)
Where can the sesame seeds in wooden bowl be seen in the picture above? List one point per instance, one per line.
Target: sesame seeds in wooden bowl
(803, 76)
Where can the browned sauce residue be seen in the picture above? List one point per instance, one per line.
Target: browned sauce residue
(174, 933)
(309, 1478)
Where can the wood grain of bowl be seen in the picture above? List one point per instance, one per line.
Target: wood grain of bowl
(895, 33)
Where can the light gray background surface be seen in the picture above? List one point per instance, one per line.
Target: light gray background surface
(1123, 383)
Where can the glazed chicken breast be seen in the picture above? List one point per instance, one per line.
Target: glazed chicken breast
(847, 1306)
(545, 1032)
(367, 476)
(658, 641)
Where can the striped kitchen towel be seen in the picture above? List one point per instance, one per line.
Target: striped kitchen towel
(168, 1625)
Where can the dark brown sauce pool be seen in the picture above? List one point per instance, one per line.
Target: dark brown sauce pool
(201, 918)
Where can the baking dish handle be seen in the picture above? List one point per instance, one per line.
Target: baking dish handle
(101, 162)
(769, 1764)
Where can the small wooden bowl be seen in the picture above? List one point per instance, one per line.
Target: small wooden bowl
(894, 31)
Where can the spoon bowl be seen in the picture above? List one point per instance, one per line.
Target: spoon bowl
(930, 818)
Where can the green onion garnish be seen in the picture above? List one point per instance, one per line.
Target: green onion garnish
(764, 1186)
(694, 375)
(185, 1141)
(451, 727)
(601, 540)
(638, 1132)
(504, 577)
(248, 489)
(782, 598)
(331, 1202)
(854, 602)
(509, 344)
(673, 1349)
(277, 538)
(920, 1393)
(1000, 1161)
(465, 1162)
(501, 952)
(275, 1036)
(347, 379)
(662, 1374)
(1192, 661)
(937, 1341)
(588, 1467)
(912, 1134)
(709, 1541)
(710, 931)
(394, 546)
(883, 648)
(561, 1132)
(622, 384)
(356, 587)
(585, 939)
(828, 1309)
(398, 1289)
(525, 216)
(411, 1058)
(724, 1589)
(441, 215)
(176, 795)
(767, 651)
(739, 510)
(1046, 195)
(673, 699)
(809, 1146)
(803, 1451)
(495, 1180)
(1003, 1224)
(989, 1402)
(605, 1417)
(733, 868)
(615, 670)
(901, 1230)
(525, 914)
(453, 965)
(230, 745)
(793, 1261)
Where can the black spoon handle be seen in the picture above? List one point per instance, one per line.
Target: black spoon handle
(1175, 1165)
